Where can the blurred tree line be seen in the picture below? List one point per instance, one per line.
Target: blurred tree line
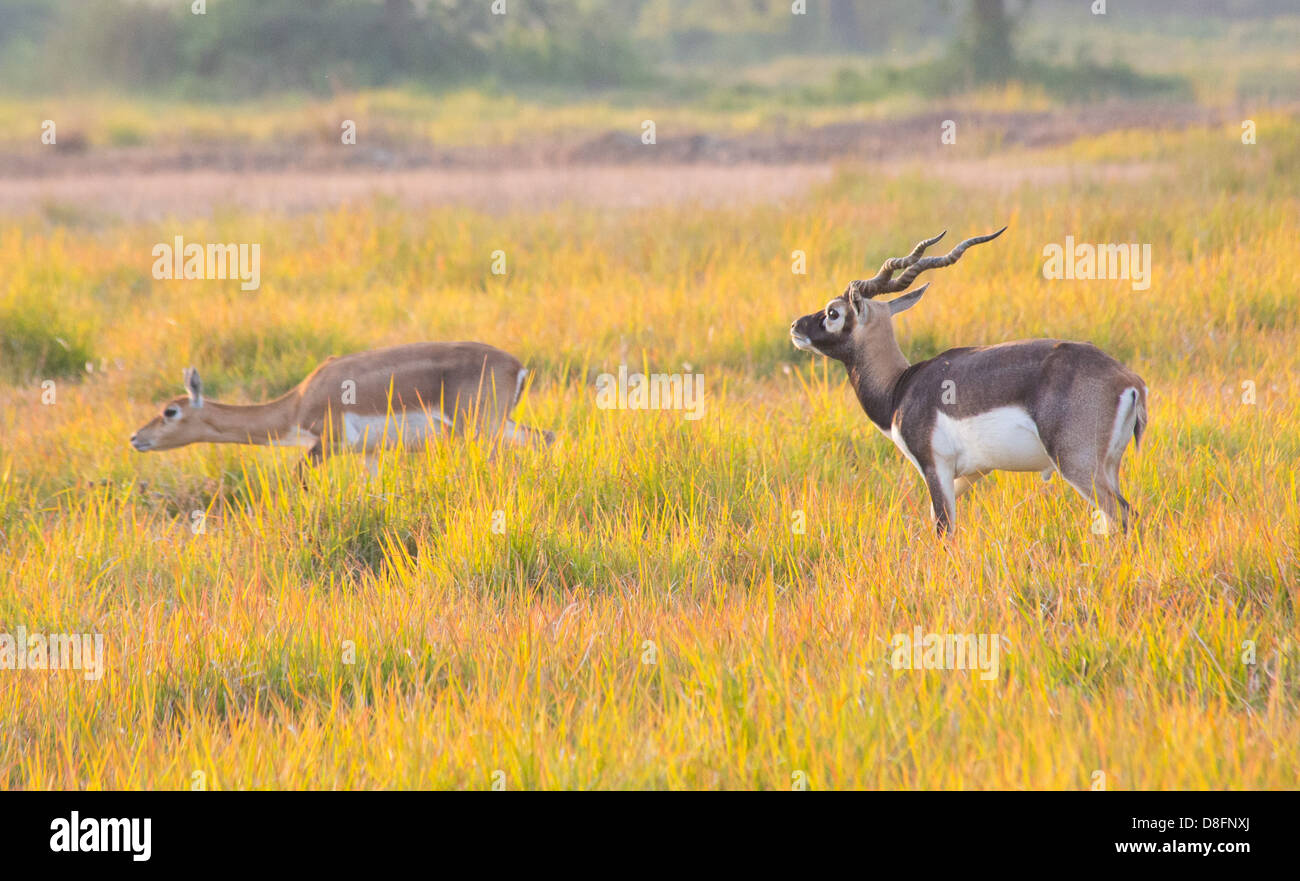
(248, 47)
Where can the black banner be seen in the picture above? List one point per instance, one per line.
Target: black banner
(143, 831)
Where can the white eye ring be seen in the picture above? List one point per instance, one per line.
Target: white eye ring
(834, 321)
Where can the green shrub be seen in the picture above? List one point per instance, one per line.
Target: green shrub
(35, 345)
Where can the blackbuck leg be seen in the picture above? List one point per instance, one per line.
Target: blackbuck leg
(308, 462)
(1092, 467)
(522, 435)
(963, 484)
(1099, 489)
(1127, 513)
(943, 501)
(525, 435)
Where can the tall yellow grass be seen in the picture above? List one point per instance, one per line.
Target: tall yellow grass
(649, 618)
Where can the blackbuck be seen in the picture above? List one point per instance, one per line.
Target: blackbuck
(1031, 405)
(390, 397)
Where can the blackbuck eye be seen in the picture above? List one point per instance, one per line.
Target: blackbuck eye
(171, 413)
(833, 315)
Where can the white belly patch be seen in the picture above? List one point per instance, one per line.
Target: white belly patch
(296, 438)
(409, 429)
(1002, 439)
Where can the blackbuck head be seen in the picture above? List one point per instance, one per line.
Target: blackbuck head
(179, 422)
(856, 320)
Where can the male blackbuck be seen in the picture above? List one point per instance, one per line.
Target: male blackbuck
(386, 397)
(1031, 405)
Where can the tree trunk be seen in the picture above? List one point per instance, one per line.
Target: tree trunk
(988, 41)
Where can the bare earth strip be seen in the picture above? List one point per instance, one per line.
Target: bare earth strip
(141, 196)
(172, 194)
(912, 137)
(611, 169)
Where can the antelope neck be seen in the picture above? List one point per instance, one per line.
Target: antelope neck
(876, 373)
(252, 423)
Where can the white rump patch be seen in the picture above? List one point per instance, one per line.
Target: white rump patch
(1001, 439)
(365, 433)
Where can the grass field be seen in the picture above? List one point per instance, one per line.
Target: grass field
(650, 616)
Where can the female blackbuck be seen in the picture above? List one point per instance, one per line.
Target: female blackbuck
(1032, 405)
(386, 397)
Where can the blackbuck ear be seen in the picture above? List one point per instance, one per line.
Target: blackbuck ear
(853, 297)
(193, 386)
(907, 301)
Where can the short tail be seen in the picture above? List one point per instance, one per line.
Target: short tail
(519, 386)
(1140, 424)
(1130, 421)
